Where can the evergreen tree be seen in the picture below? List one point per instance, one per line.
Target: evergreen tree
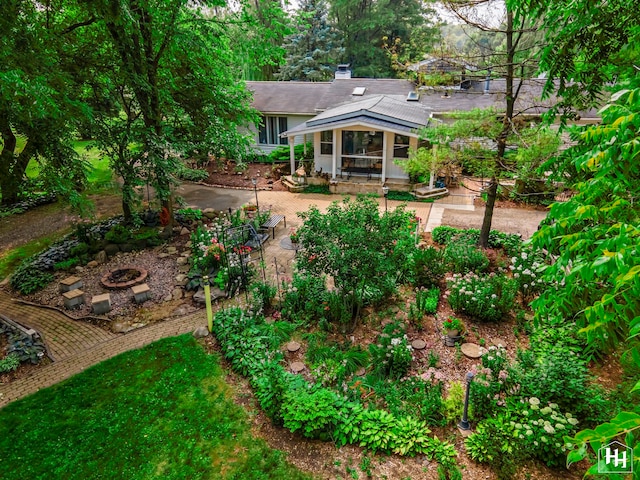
(314, 48)
(367, 26)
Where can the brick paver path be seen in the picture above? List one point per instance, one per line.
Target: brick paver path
(64, 336)
(81, 360)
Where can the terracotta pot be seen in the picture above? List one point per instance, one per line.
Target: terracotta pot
(450, 341)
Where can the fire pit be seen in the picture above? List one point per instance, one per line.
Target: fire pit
(124, 277)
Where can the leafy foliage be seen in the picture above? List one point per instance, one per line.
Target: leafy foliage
(27, 278)
(487, 298)
(392, 354)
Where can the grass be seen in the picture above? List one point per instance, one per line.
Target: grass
(160, 412)
(10, 259)
(99, 176)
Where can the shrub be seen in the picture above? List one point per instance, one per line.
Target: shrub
(429, 267)
(9, 363)
(118, 234)
(559, 375)
(67, 264)
(303, 298)
(493, 443)
(486, 298)
(282, 154)
(192, 174)
(392, 354)
(313, 411)
(28, 279)
(453, 405)
(527, 272)
(412, 396)
(443, 234)
(464, 258)
(427, 300)
(261, 295)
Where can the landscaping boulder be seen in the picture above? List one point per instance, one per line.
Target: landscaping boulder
(216, 293)
(101, 257)
(111, 249)
(201, 332)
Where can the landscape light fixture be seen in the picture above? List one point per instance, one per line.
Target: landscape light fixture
(385, 192)
(254, 180)
(464, 422)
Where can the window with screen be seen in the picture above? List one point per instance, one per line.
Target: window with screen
(270, 130)
(401, 146)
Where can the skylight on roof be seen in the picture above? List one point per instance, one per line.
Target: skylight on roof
(413, 97)
(359, 91)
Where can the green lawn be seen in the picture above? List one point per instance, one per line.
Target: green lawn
(99, 176)
(160, 412)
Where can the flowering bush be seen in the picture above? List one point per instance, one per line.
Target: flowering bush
(464, 257)
(540, 429)
(293, 235)
(392, 354)
(487, 298)
(527, 272)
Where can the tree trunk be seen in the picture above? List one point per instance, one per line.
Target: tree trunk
(492, 193)
(12, 166)
(502, 138)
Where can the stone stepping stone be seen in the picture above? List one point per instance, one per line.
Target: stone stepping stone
(297, 367)
(419, 344)
(360, 372)
(293, 346)
(498, 342)
(471, 350)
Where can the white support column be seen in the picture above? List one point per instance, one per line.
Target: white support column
(292, 154)
(334, 154)
(385, 142)
(304, 144)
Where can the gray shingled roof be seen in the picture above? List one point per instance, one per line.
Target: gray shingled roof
(380, 107)
(310, 98)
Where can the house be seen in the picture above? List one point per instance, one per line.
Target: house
(358, 126)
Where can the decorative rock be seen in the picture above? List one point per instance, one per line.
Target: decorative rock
(296, 367)
(172, 250)
(293, 346)
(182, 310)
(73, 298)
(498, 342)
(79, 269)
(163, 255)
(183, 269)
(141, 293)
(92, 264)
(101, 303)
(200, 332)
(70, 283)
(186, 254)
(471, 350)
(111, 249)
(119, 328)
(209, 213)
(185, 231)
(181, 279)
(101, 257)
(127, 247)
(176, 294)
(137, 325)
(182, 260)
(361, 371)
(419, 344)
(188, 244)
(216, 293)
(168, 298)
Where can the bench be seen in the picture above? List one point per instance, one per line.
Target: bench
(273, 222)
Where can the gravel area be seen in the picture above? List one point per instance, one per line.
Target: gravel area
(162, 270)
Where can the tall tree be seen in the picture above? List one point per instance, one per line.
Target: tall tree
(314, 48)
(175, 81)
(38, 96)
(512, 64)
(367, 25)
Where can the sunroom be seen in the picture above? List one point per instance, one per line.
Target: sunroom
(359, 141)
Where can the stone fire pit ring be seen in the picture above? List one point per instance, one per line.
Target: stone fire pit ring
(124, 277)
